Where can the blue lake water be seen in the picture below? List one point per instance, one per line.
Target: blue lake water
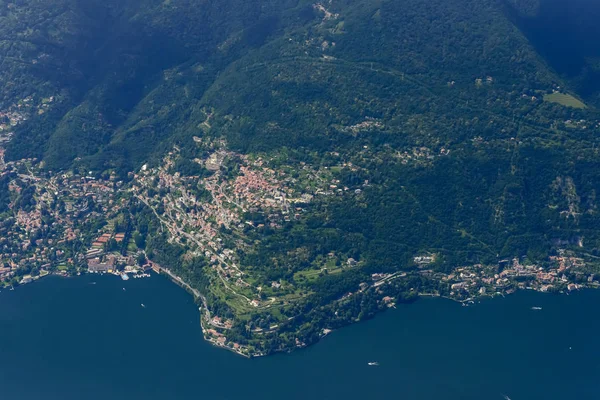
(71, 339)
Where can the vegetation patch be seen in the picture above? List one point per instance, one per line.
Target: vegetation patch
(565, 100)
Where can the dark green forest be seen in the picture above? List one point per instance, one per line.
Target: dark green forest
(4, 193)
(130, 77)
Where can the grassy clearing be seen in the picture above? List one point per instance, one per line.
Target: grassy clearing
(237, 303)
(565, 100)
(131, 247)
(307, 274)
(313, 274)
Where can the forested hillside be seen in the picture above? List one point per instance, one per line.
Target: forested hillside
(105, 61)
(126, 75)
(304, 161)
(566, 34)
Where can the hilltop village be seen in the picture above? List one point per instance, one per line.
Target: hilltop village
(216, 206)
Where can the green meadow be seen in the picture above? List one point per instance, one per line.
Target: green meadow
(564, 99)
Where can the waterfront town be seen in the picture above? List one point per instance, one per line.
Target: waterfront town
(71, 223)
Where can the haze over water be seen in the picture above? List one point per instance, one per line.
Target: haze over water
(71, 339)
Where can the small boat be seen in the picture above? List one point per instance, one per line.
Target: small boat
(373, 364)
(92, 283)
(125, 277)
(143, 306)
(536, 308)
(124, 289)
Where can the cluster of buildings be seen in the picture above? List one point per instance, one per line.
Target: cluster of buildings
(368, 125)
(41, 236)
(565, 273)
(14, 115)
(107, 265)
(213, 221)
(259, 188)
(20, 112)
(420, 155)
(200, 222)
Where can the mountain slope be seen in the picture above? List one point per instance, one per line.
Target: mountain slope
(118, 59)
(150, 51)
(309, 164)
(565, 33)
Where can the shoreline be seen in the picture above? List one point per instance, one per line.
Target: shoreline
(197, 295)
(464, 302)
(244, 351)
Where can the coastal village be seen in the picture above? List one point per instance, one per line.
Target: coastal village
(70, 223)
(52, 221)
(565, 272)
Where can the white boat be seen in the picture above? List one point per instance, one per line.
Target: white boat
(143, 306)
(123, 289)
(125, 277)
(536, 308)
(373, 364)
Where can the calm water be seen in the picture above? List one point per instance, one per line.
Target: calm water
(70, 339)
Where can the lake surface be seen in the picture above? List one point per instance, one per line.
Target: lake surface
(71, 339)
